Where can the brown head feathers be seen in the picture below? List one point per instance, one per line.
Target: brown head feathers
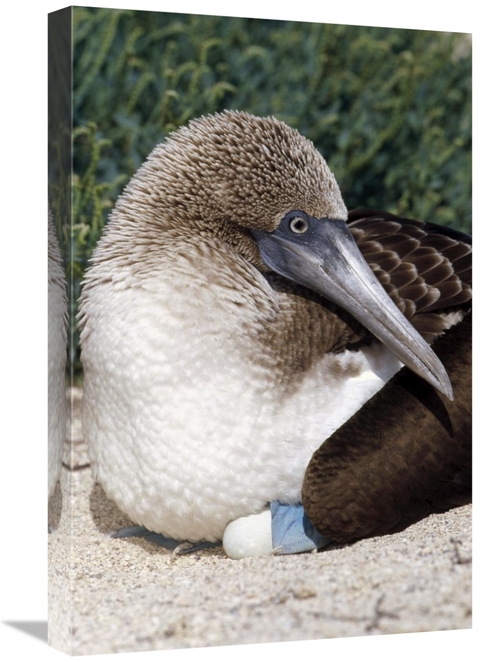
(238, 168)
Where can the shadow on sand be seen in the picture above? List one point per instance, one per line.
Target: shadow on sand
(37, 629)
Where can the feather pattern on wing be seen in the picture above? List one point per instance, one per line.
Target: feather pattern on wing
(425, 269)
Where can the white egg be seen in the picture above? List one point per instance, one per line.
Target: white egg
(249, 536)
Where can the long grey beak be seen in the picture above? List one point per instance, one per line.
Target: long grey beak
(327, 260)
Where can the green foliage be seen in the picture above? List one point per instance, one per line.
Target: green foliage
(390, 110)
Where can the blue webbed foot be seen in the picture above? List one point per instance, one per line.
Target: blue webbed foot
(292, 530)
(177, 546)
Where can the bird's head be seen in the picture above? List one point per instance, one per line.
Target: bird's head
(246, 170)
(263, 189)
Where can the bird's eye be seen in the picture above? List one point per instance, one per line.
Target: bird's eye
(298, 225)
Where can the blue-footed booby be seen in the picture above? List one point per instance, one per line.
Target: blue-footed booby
(57, 340)
(234, 317)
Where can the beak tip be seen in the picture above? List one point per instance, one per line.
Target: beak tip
(446, 388)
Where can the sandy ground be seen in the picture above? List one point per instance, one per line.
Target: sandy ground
(121, 595)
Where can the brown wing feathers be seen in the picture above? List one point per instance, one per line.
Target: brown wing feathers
(405, 454)
(427, 274)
